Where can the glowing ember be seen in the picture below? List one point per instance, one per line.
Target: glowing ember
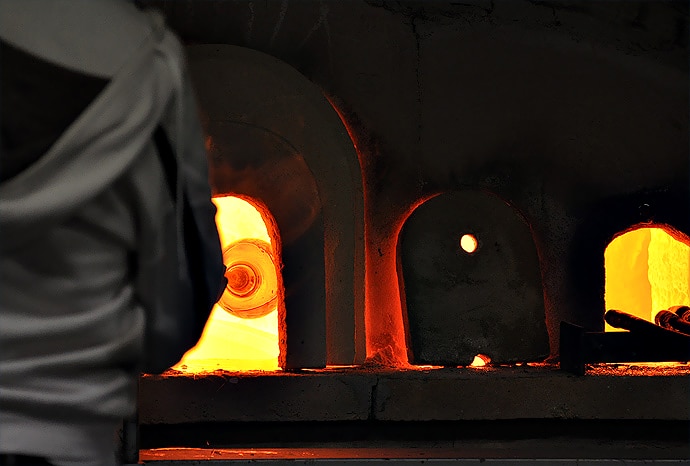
(647, 270)
(468, 243)
(480, 360)
(231, 342)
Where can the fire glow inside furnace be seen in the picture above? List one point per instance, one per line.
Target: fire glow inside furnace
(436, 191)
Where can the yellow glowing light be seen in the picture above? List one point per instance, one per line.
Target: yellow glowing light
(647, 270)
(230, 342)
(468, 243)
(669, 271)
(238, 219)
(480, 360)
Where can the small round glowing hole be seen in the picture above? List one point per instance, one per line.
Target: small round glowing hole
(468, 243)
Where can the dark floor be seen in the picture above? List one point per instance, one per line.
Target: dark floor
(618, 414)
(513, 442)
(472, 454)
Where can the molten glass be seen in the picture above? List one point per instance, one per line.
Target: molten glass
(647, 270)
(252, 289)
(242, 331)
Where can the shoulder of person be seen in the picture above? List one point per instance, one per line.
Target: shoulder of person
(94, 37)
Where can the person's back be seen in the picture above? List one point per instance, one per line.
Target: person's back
(89, 87)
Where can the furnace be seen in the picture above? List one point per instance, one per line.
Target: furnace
(439, 190)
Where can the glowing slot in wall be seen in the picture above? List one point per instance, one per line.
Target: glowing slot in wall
(647, 270)
(245, 338)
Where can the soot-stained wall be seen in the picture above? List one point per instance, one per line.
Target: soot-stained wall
(574, 112)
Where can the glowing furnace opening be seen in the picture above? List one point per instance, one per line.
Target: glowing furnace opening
(242, 331)
(647, 270)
